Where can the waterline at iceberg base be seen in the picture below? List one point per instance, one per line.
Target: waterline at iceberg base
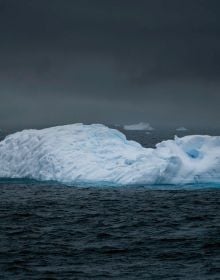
(95, 154)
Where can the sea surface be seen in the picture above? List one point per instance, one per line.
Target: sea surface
(51, 231)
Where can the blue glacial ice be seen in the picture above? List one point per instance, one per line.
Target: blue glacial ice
(95, 154)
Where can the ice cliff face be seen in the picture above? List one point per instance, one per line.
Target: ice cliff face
(97, 155)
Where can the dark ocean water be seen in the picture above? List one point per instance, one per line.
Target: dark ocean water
(50, 231)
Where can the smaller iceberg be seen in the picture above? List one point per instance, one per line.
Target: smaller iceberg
(182, 128)
(139, 126)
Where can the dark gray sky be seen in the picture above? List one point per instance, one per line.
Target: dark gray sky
(109, 61)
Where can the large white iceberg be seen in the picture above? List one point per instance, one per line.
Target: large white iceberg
(138, 126)
(97, 155)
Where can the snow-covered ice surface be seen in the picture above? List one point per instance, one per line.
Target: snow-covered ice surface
(138, 126)
(97, 155)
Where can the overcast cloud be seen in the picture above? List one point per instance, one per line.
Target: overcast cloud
(65, 61)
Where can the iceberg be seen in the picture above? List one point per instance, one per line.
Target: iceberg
(94, 154)
(138, 126)
(181, 129)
